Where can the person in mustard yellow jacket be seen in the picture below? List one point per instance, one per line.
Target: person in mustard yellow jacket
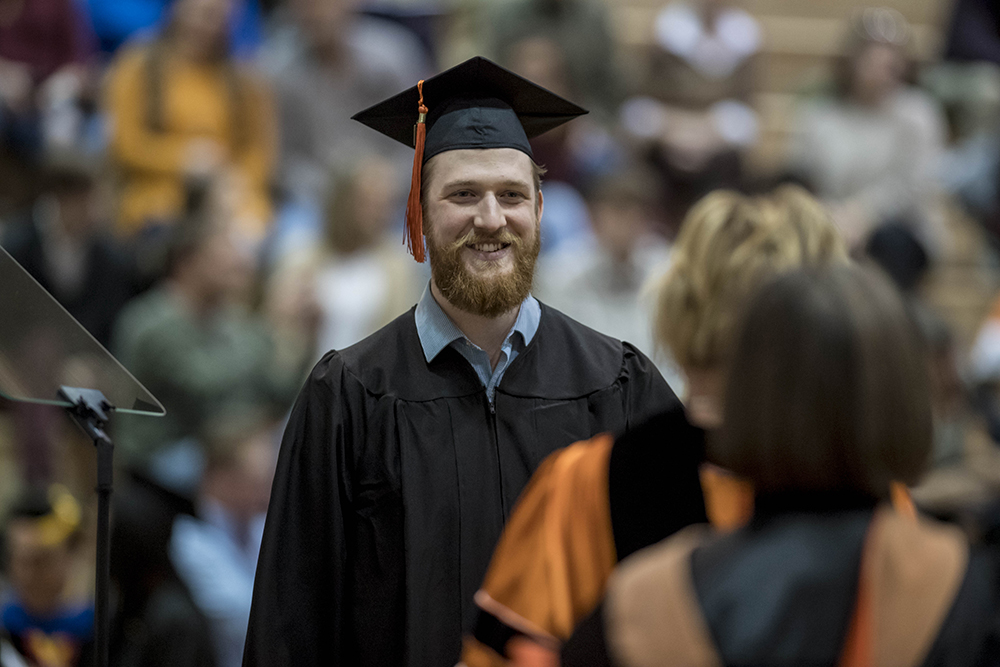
(181, 108)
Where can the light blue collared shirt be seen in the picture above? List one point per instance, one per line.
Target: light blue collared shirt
(436, 332)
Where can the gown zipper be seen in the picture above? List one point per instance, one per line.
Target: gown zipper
(496, 448)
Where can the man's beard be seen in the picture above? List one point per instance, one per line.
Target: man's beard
(488, 294)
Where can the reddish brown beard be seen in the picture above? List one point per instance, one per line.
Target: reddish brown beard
(487, 295)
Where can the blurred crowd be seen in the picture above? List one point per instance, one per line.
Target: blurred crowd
(184, 178)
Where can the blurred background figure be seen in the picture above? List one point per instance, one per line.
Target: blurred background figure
(194, 342)
(358, 276)
(215, 551)
(47, 620)
(582, 32)
(180, 107)
(694, 116)
(46, 86)
(327, 61)
(599, 279)
(573, 154)
(156, 622)
(872, 148)
(968, 82)
(64, 242)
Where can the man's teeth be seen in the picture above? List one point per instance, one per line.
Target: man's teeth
(487, 247)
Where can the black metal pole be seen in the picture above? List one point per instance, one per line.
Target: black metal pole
(102, 613)
(90, 409)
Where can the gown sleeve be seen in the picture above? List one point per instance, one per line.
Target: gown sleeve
(299, 608)
(646, 393)
(554, 556)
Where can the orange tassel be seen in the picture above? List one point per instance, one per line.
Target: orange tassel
(414, 213)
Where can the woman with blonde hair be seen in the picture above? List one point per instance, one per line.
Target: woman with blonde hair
(728, 246)
(828, 404)
(594, 503)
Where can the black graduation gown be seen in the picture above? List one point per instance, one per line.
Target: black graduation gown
(396, 476)
(782, 591)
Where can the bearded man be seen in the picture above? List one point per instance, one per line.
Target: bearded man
(405, 452)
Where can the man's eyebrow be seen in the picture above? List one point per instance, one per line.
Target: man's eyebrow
(509, 183)
(459, 184)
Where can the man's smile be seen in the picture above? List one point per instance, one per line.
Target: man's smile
(489, 250)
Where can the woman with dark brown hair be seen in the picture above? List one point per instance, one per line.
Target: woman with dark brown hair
(827, 403)
(180, 107)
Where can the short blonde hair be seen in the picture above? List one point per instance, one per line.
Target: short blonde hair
(729, 245)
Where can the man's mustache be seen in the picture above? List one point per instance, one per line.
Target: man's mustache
(504, 236)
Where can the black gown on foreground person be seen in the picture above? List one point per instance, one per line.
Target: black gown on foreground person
(783, 591)
(373, 548)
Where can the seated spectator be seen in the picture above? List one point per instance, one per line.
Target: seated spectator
(599, 280)
(63, 242)
(42, 534)
(589, 506)
(871, 149)
(327, 61)
(193, 342)
(828, 402)
(694, 115)
(45, 46)
(563, 152)
(581, 30)
(361, 276)
(181, 107)
(574, 154)
(47, 89)
(155, 622)
(215, 551)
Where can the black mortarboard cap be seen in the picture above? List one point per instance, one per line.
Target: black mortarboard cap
(476, 104)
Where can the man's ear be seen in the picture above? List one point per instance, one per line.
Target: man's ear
(541, 202)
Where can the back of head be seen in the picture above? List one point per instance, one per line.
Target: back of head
(828, 388)
(728, 245)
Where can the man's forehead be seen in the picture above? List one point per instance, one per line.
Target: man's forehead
(475, 165)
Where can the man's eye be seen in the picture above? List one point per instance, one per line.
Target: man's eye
(463, 194)
(513, 196)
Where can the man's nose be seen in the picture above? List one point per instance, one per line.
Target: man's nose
(490, 217)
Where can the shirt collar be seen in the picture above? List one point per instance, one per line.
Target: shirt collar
(436, 330)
